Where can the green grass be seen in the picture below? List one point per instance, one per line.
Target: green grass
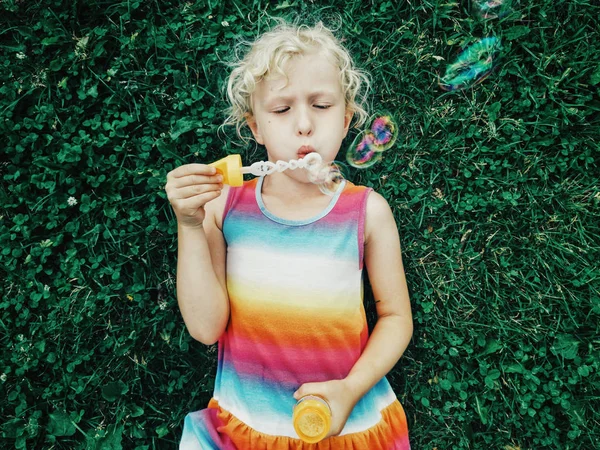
(495, 191)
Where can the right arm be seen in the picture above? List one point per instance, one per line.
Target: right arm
(196, 197)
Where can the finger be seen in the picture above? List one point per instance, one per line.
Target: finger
(193, 203)
(192, 169)
(197, 179)
(196, 189)
(305, 389)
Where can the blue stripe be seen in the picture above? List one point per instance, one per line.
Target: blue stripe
(271, 400)
(195, 433)
(259, 396)
(367, 410)
(338, 240)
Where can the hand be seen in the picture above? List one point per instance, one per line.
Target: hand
(340, 399)
(189, 188)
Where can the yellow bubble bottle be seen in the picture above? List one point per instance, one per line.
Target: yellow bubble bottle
(312, 418)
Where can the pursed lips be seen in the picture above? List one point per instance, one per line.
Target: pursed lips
(305, 150)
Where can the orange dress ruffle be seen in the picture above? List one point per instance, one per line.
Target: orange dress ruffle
(391, 433)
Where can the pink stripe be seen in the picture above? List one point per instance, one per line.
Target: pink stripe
(230, 196)
(209, 420)
(401, 442)
(242, 197)
(290, 365)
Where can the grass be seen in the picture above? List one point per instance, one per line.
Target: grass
(494, 189)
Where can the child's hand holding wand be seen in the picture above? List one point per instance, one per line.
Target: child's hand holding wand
(189, 188)
(201, 288)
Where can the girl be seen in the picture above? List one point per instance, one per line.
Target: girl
(272, 270)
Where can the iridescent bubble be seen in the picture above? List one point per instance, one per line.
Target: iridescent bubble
(473, 65)
(362, 153)
(384, 132)
(492, 9)
(328, 177)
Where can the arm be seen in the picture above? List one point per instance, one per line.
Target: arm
(198, 198)
(201, 282)
(394, 327)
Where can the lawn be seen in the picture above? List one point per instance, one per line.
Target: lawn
(494, 186)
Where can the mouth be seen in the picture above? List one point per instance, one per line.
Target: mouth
(305, 150)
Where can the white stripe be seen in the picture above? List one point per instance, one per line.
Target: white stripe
(292, 271)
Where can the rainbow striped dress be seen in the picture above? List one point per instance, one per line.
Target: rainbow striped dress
(297, 316)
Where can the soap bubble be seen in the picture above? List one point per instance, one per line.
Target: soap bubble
(362, 153)
(473, 65)
(492, 9)
(384, 132)
(327, 176)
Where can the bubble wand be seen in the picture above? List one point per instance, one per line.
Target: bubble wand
(327, 176)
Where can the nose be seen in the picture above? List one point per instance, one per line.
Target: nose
(304, 125)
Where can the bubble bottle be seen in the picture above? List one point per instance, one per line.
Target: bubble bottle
(312, 418)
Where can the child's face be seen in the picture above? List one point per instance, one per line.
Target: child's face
(306, 114)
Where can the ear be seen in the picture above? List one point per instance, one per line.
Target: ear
(251, 121)
(347, 119)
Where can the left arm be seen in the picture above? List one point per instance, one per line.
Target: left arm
(394, 327)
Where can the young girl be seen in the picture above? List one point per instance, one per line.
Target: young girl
(272, 270)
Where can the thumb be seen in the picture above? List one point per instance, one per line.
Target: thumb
(305, 389)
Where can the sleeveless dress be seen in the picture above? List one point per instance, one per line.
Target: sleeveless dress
(297, 316)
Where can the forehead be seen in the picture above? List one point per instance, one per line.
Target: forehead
(311, 72)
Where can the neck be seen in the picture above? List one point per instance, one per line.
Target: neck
(280, 185)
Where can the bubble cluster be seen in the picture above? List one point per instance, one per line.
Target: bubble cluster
(473, 65)
(492, 9)
(367, 147)
(327, 176)
(384, 132)
(361, 153)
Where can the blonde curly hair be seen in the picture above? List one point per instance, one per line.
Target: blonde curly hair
(269, 54)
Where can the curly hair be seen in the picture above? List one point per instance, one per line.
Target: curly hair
(270, 52)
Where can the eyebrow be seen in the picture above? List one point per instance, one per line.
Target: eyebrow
(312, 95)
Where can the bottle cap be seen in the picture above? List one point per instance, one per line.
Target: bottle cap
(312, 418)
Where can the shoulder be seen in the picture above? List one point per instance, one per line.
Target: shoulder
(377, 205)
(378, 215)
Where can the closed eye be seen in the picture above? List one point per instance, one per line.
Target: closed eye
(323, 106)
(281, 110)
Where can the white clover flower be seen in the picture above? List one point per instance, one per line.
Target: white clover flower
(225, 23)
(3, 377)
(46, 288)
(21, 55)
(438, 58)
(162, 305)
(46, 243)
(72, 201)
